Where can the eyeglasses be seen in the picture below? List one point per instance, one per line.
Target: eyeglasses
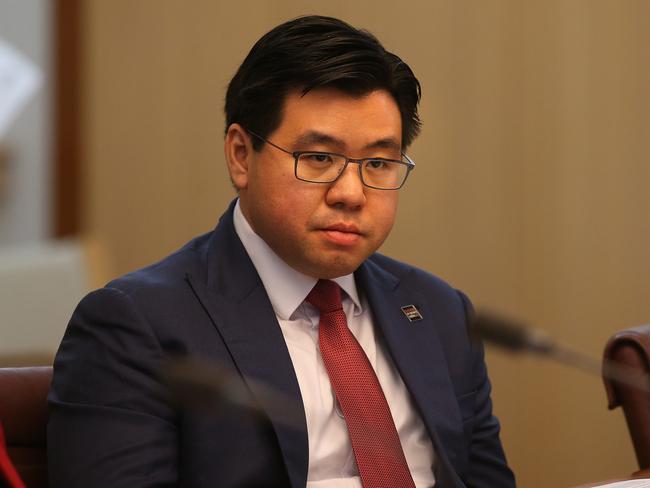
(325, 167)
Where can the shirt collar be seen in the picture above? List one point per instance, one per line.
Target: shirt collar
(286, 287)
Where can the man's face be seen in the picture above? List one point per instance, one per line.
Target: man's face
(323, 230)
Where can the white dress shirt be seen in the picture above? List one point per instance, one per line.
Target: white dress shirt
(331, 459)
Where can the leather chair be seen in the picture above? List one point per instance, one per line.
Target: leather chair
(630, 348)
(23, 413)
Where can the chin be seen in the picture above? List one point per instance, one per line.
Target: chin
(335, 268)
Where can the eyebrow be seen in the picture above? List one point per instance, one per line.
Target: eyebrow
(314, 137)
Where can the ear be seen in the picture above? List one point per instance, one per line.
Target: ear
(238, 151)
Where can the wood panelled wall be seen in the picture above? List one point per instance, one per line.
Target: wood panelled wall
(531, 190)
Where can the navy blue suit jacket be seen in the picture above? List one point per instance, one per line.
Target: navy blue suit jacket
(111, 422)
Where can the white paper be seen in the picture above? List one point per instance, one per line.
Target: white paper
(642, 483)
(20, 79)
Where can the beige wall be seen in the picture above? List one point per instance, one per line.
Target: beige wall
(530, 191)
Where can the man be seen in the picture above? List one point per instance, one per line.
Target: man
(288, 295)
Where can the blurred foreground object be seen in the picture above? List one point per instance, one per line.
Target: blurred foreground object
(515, 336)
(23, 412)
(204, 386)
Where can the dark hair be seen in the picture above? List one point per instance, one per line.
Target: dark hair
(314, 52)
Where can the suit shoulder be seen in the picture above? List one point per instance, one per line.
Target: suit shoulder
(429, 287)
(409, 273)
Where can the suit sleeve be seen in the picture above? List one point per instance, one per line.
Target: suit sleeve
(109, 424)
(487, 462)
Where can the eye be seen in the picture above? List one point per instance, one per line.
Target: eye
(376, 164)
(317, 158)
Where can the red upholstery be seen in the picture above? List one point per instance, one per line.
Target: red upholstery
(23, 413)
(631, 348)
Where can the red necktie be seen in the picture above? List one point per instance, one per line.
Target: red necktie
(375, 442)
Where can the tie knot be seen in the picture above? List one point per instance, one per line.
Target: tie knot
(325, 296)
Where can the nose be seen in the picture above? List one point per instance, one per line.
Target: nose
(347, 191)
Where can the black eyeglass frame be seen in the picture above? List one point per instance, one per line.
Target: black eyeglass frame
(409, 163)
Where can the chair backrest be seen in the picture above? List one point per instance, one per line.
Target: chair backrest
(631, 348)
(23, 413)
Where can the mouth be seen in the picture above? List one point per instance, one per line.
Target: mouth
(342, 234)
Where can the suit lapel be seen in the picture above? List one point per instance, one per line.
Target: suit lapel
(239, 307)
(418, 355)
